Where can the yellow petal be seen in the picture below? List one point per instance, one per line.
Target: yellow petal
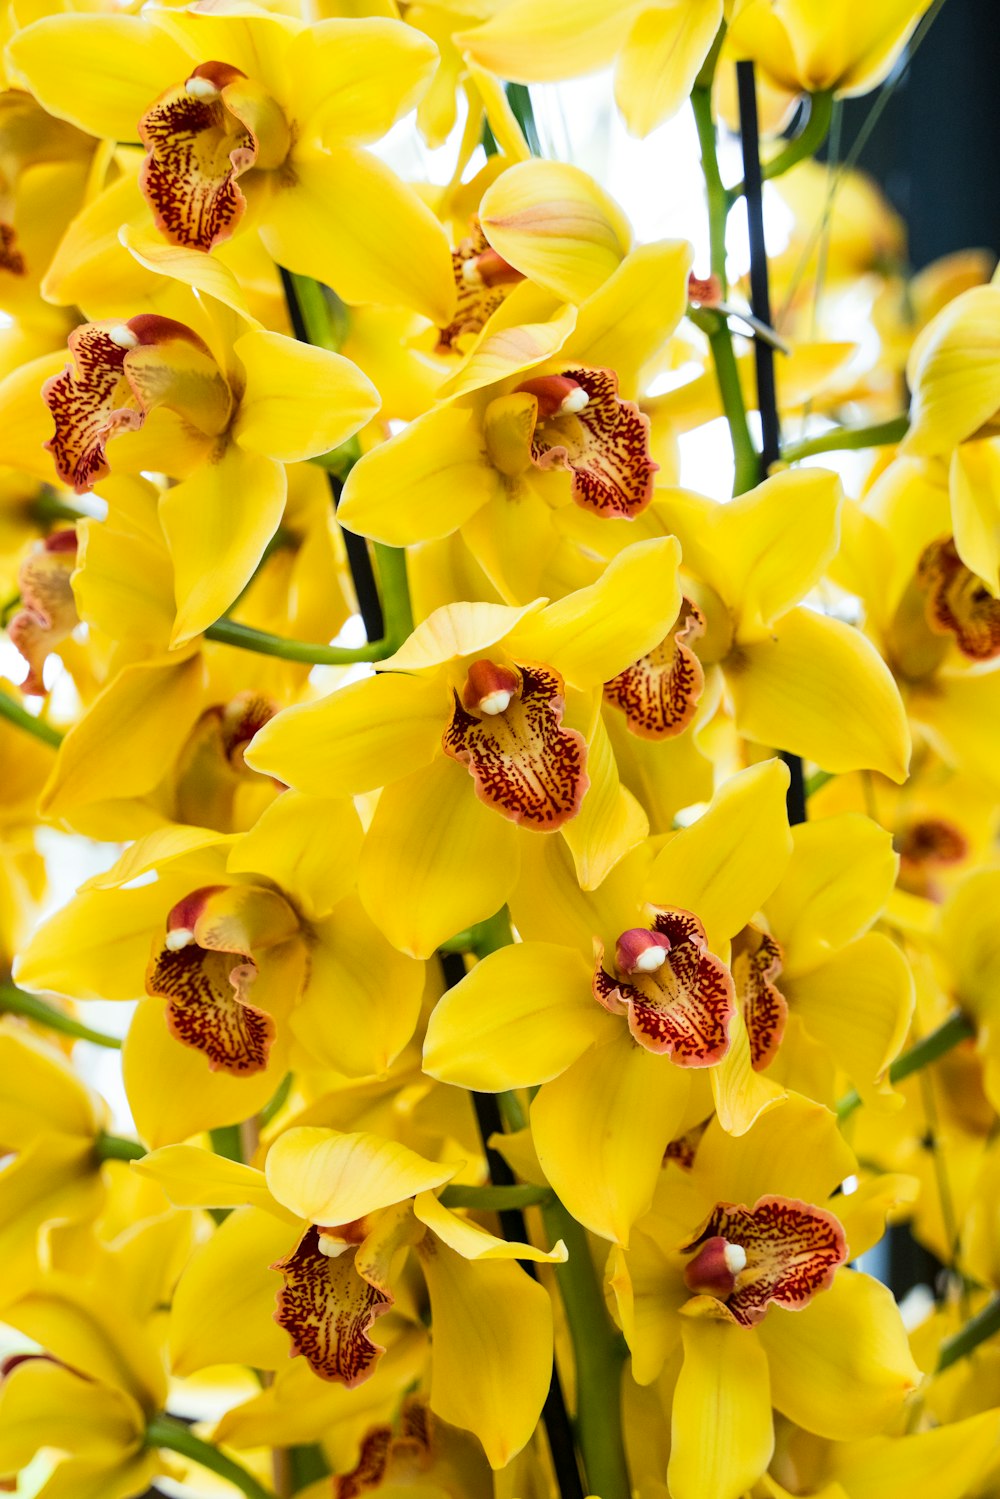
(44, 1405)
(765, 550)
(975, 508)
(594, 633)
(457, 630)
(100, 72)
(610, 820)
(216, 545)
(129, 737)
(194, 1178)
(165, 845)
(395, 252)
(862, 1213)
(291, 841)
(206, 273)
(602, 1128)
(660, 61)
(299, 401)
(531, 44)
(489, 1318)
(424, 482)
(223, 1307)
(552, 222)
(724, 866)
(41, 1092)
(819, 689)
(435, 860)
(954, 372)
(26, 420)
(520, 1017)
(959, 712)
(96, 946)
(357, 739)
(362, 1000)
(172, 1093)
(840, 875)
(944, 1463)
(333, 1178)
(795, 1151)
(970, 935)
(722, 1434)
(473, 1242)
(741, 1094)
(858, 1005)
(841, 1367)
(615, 328)
(508, 346)
(93, 1335)
(352, 79)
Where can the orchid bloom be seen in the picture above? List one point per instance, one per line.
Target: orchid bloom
(265, 103)
(232, 940)
(749, 1248)
(500, 697)
(342, 1207)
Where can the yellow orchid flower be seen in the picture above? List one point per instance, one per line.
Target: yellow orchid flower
(658, 50)
(50, 1121)
(363, 1199)
(934, 618)
(969, 939)
(541, 416)
(614, 1000)
(480, 691)
(47, 612)
(194, 710)
(265, 101)
(90, 1396)
(234, 936)
(815, 46)
(741, 1263)
(952, 372)
(240, 415)
(750, 563)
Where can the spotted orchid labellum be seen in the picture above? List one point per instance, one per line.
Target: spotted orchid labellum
(498, 906)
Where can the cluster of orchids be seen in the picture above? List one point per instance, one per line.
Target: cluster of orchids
(556, 912)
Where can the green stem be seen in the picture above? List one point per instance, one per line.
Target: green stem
(228, 632)
(982, 1326)
(322, 311)
(227, 1142)
(599, 1353)
(806, 143)
(16, 714)
(719, 338)
(519, 100)
(14, 1001)
(818, 780)
(115, 1148)
(164, 1431)
(394, 587)
(492, 1199)
(880, 435)
(956, 1029)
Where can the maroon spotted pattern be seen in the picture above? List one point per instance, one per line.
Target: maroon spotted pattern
(90, 400)
(931, 840)
(605, 446)
(792, 1249)
(11, 259)
(207, 1007)
(684, 1148)
(524, 763)
(388, 1457)
(479, 295)
(756, 963)
(328, 1310)
(683, 1008)
(659, 694)
(196, 150)
(48, 608)
(958, 603)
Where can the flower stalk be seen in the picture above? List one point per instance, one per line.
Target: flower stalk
(174, 1436)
